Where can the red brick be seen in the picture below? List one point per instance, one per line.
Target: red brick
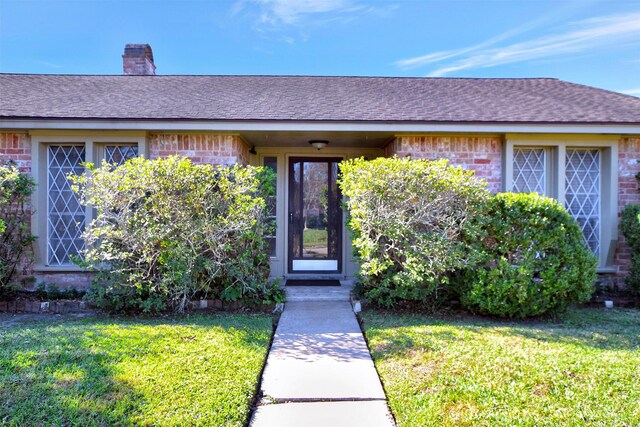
(482, 154)
(226, 149)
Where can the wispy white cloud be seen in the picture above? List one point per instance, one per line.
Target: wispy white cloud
(583, 36)
(277, 14)
(447, 54)
(50, 64)
(293, 11)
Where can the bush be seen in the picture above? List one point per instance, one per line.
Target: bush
(407, 217)
(15, 235)
(630, 224)
(52, 292)
(167, 231)
(534, 259)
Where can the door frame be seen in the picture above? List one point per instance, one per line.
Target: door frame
(290, 159)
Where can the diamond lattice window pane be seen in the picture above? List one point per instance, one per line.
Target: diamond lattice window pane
(118, 154)
(529, 165)
(582, 193)
(66, 216)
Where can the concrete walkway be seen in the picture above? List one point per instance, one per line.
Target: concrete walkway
(319, 371)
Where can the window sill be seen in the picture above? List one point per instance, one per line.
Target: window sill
(60, 269)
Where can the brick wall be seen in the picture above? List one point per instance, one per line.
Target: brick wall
(482, 154)
(16, 147)
(628, 167)
(211, 149)
(65, 280)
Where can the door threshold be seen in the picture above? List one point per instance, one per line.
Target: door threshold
(310, 282)
(314, 276)
(344, 280)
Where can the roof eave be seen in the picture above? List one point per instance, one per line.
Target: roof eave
(33, 123)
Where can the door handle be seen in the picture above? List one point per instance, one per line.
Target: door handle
(290, 217)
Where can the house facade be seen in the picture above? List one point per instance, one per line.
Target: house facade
(578, 144)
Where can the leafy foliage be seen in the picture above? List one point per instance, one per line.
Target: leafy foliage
(15, 235)
(168, 230)
(534, 259)
(51, 291)
(407, 218)
(630, 224)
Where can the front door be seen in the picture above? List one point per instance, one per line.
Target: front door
(315, 216)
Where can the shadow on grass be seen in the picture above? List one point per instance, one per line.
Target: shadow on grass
(68, 371)
(53, 375)
(591, 328)
(399, 334)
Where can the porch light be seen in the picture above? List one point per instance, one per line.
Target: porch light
(318, 143)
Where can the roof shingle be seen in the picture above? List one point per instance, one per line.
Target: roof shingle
(307, 98)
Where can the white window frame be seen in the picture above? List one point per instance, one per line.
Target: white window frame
(94, 143)
(556, 148)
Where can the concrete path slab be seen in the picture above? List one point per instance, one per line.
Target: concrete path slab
(318, 352)
(323, 414)
(318, 293)
(320, 363)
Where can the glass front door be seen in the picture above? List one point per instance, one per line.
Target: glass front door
(315, 217)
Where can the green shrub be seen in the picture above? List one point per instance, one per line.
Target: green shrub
(51, 291)
(630, 224)
(535, 259)
(407, 217)
(167, 231)
(15, 235)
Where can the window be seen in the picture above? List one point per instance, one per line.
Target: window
(582, 193)
(66, 217)
(59, 219)
(529, 166)
(118, 154)
(272, 163)
(580, 173)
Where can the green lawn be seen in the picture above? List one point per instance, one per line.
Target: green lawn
(99, 371)
(314, 238)
(584, 370)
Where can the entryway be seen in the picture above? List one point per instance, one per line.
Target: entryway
(315, 216)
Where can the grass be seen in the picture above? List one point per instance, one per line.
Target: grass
(583, 370)
(98, 371)
(314, 238)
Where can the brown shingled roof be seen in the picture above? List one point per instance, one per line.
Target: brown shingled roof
(305, 98)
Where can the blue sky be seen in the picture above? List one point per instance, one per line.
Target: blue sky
(593, 42)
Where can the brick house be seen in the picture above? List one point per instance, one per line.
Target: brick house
(578, 144)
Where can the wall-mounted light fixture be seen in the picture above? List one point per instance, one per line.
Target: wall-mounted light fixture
(318, 143)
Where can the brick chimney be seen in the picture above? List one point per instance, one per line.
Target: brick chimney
(138, 60)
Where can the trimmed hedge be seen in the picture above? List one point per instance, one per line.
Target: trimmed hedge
(407, 218)
(167, 231)
(630, 225)
(425, 232)
(533, 259)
